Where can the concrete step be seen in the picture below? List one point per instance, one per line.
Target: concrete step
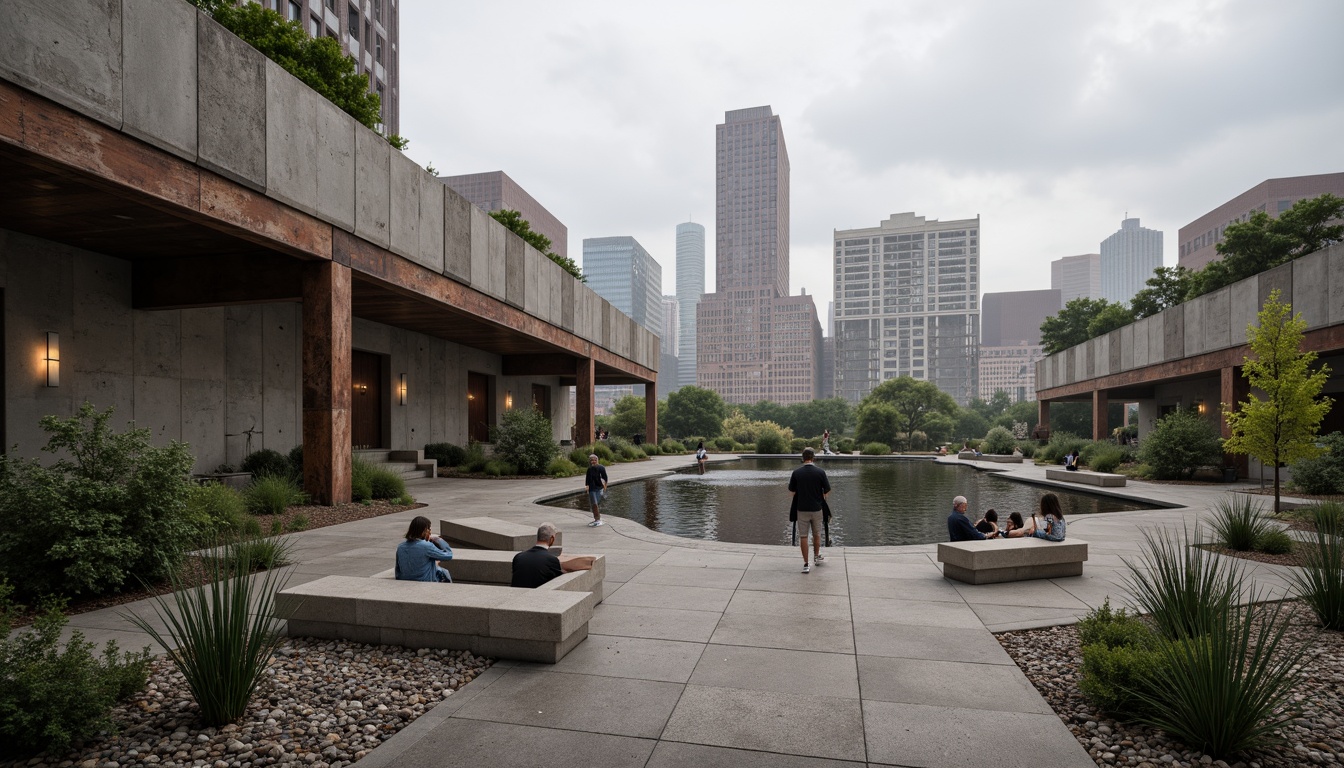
(408, 464)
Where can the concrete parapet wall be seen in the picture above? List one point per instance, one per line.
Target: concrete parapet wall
(1313, 284)
(167, 74)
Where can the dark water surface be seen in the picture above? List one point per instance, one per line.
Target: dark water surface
(873, 503)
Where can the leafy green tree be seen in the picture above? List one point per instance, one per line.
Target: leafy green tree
(1111, 317)
(1181, 443)
(1068, 328)
(1281, 427)
(914, 400)
(812, 418)
(694, 411)
(627, 416)
(937, 427)
(525, 438)
(1167, 287)
(1262, 242)
(877, 422)
(515, 223)
(969, 425)
(766, 410)
(1026, 412)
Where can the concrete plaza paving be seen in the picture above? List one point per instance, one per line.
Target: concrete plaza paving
(709, 653)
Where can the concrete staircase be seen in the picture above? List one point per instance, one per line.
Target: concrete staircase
(408, 464)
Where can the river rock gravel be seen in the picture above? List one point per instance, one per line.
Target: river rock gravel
(1051, 658)
(324, 704)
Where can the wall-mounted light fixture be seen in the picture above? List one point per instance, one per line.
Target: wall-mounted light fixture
(1201, 406)
(471, 396)
(53, 359)
(361, 389)
(401, 390)
(508, 400)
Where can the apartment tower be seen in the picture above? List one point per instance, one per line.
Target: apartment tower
(1128, 259)
(690, 287)
(907, 304)
(1076, 277)
(753, 340)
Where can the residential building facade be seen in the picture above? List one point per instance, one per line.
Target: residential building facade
(753, 340)
(1076, 277)
(1199, 239)
(1010, 340)
(690, 287)
(907, 304)
(1128, 259)
(495, 191)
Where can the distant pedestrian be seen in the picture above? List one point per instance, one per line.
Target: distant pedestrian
(701, 456)
(826, 442)
(809, 487)
(596, 483)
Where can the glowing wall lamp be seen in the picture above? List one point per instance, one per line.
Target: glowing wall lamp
(401, 390)
(508, 400)
(53, 359)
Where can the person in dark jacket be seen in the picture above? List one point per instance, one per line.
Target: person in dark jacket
(596, 483)
(809, 487)
(536, 566)
(959, 526)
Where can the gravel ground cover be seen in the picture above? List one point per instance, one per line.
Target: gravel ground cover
(324, 704)
(1051, 658)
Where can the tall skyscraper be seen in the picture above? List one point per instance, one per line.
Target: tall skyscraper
(1010, 340)
(1128, 259)
(690, 287)
(619, 270)
(495, 191)
(754, 340)
(907, 304)
(1076, 277)
(1199, 239)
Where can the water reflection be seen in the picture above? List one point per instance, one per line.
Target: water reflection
(874, 502)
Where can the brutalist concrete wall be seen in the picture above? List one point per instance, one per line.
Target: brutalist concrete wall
(166, 73)
(1313, 284)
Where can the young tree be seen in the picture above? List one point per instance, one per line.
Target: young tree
(1281, 427)
(515, 223)
(627, 416)
(1166, 288)
(812, 418)
(914, 400)
(692, 411)
(1069, 327)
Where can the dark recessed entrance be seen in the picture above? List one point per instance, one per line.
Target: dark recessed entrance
(480, 406)
(366, 408)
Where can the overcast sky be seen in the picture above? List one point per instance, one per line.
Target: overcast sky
(1049, 120)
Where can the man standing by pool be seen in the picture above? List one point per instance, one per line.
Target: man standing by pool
(809, 487)
(959, 527)
(596, 483)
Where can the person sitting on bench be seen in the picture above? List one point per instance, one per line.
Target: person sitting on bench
(536, 566)
(419, 555)
(1071, 461)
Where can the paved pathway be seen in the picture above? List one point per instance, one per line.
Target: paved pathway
(707, 653)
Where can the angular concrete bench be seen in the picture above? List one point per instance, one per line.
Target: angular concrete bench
(540, 624)
(1015, 458)
(998, 560)
(480, 566)
(491, 533)
(1100, 479)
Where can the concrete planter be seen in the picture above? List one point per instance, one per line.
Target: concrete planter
(1014, 459)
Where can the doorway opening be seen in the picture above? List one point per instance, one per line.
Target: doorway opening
(480, 406)
(367, 407)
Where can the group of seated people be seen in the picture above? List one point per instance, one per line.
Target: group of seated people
(418, 557)
(1049, 525)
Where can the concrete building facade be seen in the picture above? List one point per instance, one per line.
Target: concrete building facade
(671, 334)
(621, 271)
(1010, 340)
(495, 191)
(1198, 240)
(1076, 277)
(753, 340)
(907, 304)
(1128, 259)
(690, 287)
(228, 259)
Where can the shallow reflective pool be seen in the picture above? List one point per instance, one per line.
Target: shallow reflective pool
(873, 503)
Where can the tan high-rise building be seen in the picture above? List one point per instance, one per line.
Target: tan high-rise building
(1076, 277)
(495, 191)
(1010, 340)
(1199, 239)
(753, 340)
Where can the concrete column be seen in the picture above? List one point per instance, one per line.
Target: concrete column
(651, 413)
(1234, 390)
(1042, 419)
(326, 382)
(586, 374)
(1100, 405)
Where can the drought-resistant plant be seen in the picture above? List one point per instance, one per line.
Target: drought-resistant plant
(672, 447)
(1185, 588)
(474, 460)
(770, 440)
(215, 510)
(724, 443)
(1061, 444)
(499, 468)
(526, 439)
(447, 454)
(1327, 517)
(361, 480)
(55, 693)
(563, 467)
(296, 461)
(222, 633)
(1239, 522)
(632, 453)
(299, 523)
(267, 462)
(385, 483)
(1114, 628)
(1323, 474)
(1275, 541)
(876, 449)
(118, 501)
(1320, 582)
(999, 442)
(261, 553)
(1106, 459)
(651, 449)
(1182, 442)
(1229, 689)
(271, 494)
(845, 445)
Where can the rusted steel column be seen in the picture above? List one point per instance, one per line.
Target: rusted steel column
(1235, 388)
(1100, 406)
(651, 412)
(585, 375)
(326, 382)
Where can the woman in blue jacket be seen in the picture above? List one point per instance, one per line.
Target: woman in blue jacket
(419, 555)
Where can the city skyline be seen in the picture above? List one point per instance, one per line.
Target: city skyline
(1087, 109)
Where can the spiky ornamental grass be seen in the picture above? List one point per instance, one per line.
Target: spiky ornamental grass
(1320, 582)
(1239, 522)
(222, 633)
(1185, 588)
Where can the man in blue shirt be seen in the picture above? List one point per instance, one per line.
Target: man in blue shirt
(959, 526)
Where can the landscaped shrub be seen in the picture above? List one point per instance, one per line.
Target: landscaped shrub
(769, 440)
(1239, 522)
(361, 480)
(1182, 442)
(650, 449)
(1114, 628)
(499, 468)
(797, 445)
(526, 439)
(1320, 582)
(384, 483)
(724, 443)
(447, 454)
(1275, 541)
(1106, 459)
(876, 449)
(999, 442)
(474, 460)
(845, 445)
(601, 450)
(270, 494)
(563, 467)
(690, 443)
(1327, 516)
(267, 462)
(1184, 587)
(632, 453)
(1060, 445)
(1323, 474)
(215, 510)
(221, 634)
(55, 693)
(672, 447)
(111, 510)
(1120, 658)
(296, 461)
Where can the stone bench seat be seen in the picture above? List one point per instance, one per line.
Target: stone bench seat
(997, 560)
(480, 566)
(491, 533)
(1084, 477)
